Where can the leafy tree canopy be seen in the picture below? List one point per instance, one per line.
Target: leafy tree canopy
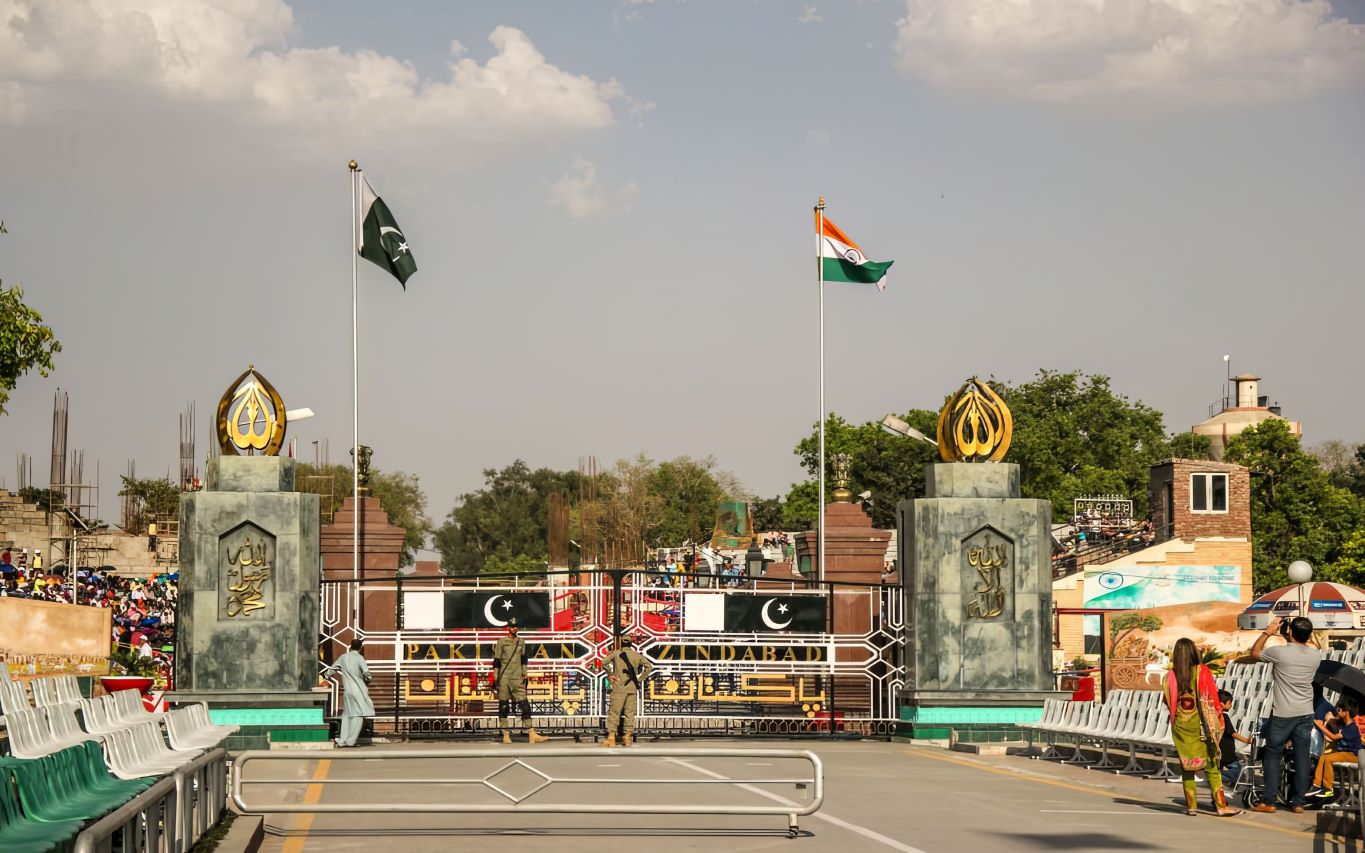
(25, 342)
(151, 498)
(1296, 512)
(398, 492)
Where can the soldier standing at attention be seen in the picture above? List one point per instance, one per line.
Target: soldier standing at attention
(627, 670)
(509, 662)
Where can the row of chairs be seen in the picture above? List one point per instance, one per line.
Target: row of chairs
(1135, 719)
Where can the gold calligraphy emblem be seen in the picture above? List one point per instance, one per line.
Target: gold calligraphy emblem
(248, 573)
(251, 417)
(988, 593)
(974, 425)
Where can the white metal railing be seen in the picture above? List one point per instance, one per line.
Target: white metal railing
(146, 821)
(531, 760)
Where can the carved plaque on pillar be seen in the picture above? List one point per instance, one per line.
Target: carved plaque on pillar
(246, 567)
(987, 577)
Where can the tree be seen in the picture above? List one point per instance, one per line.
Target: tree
(1191, 445)
(504, 520)
(1296, 512)
(1339, 460)
(398, 492)
(889, 466)
(767, 513)
(25, 342)
(1144, 622)
(150, 498)
(1074, 436)
(688, 490)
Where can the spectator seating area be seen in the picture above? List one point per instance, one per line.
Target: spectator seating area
(76, 765)
(1137, 721)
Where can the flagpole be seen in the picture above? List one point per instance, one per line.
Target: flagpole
(355, 393)
(820, 270)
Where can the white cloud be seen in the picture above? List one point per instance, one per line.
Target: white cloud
(811, 15)
(581, 194)
(234, 53)
(1168, 52)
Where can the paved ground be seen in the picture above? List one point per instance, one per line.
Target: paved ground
(878, 797)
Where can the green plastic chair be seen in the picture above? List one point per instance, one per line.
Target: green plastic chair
(18, 834)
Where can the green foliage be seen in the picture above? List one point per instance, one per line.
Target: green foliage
(398, 492)
(889, 466)
(1143, 622)
(44, 498)
(1296, 512)
(1190, 445)
(688, 493)
(1349, 565)
(502, 563)
(505, 520)
(25, 342)
(402, 497)
(767, 513)
(129, 662)
(1074, 436)
(151, 498)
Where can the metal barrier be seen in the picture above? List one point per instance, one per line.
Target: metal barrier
(146, 821)
(813, 783)
(201, 794)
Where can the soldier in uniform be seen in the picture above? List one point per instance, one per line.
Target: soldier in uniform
(509, 664)
(627, 670)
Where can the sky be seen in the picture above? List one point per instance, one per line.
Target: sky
(610, 206)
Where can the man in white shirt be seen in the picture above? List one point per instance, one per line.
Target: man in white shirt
(1292, 667)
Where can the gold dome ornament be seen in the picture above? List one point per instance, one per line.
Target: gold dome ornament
(974, 425)
(251, 417)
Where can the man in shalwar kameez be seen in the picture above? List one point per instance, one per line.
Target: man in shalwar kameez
(355, 677)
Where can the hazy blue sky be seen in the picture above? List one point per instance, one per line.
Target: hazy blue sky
(610, 206)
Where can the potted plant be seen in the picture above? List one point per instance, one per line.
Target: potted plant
(129, 671)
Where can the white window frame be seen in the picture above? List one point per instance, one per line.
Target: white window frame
(1208, 493)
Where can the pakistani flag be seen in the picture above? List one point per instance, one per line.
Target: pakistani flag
(381, 240)
(842, 260)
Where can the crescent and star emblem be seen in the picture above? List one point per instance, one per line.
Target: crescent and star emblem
(402, 248)
(488, 611)
(767, 616)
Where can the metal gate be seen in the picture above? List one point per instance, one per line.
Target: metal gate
(432, 680)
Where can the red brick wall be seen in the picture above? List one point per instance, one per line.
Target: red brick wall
(1235, 523)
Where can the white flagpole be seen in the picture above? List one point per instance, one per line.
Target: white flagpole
(355, 390)
(820, 268)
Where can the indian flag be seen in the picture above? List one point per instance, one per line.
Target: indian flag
(842, 260)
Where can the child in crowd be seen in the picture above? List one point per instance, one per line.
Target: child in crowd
(1229, 762)
(1341, 744)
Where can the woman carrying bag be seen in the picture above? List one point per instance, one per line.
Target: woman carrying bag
(1196, 725)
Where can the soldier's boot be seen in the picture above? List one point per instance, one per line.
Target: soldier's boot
(611, 740)
(535, 738)
(506, 731)
(628, 741)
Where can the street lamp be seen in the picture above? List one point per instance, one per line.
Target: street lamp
(754, 561)
(896, 426)
(1300, 572)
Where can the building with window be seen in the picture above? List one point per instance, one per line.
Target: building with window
(1196, 573)
(1245, 408)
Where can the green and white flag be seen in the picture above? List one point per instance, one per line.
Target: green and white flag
(381, 240)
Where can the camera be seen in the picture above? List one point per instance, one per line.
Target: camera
(1284, 627)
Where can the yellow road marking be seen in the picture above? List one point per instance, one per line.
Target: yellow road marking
(304, 822)
(1081, 789)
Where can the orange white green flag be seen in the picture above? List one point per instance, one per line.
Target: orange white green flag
(842, 260)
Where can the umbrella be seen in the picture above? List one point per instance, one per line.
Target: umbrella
(1328, 605)
(1341, 677)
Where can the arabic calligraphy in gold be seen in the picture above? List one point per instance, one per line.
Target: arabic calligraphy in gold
(988, 592)
(974, 425)
(251, 417)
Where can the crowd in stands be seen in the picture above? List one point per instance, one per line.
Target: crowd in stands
(1091, 531)
(680, 570)
(143, 607)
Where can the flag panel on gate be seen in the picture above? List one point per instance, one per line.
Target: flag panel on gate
(802, 614)
(492, 609)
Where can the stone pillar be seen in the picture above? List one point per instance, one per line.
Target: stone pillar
(855, 553)
(247, 624)
(381, 547)
(978, 582)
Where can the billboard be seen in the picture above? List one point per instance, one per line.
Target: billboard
(1139, 587)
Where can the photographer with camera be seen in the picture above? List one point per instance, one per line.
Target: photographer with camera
(1292, 667)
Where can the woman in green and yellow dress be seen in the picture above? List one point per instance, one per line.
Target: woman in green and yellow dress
(1196, 725)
